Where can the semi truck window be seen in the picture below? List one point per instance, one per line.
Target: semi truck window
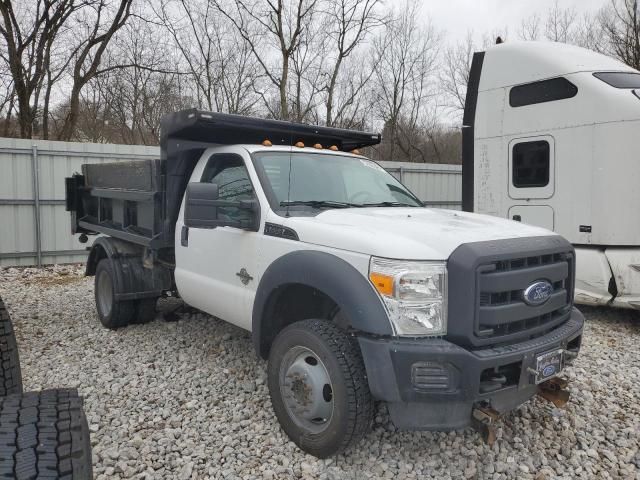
(542, 92)
(531, 162)
(230, 173)
(620, 79)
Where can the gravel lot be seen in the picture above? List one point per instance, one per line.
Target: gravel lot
(188, 399)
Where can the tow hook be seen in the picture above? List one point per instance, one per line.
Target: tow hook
(553, 390)
(483, 420)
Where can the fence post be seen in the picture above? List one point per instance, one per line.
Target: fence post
(36, 201)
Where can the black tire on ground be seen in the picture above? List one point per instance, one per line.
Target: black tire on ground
(145, 310)
(10, 375)
(342, 381)
(44, 435)
(112, 313)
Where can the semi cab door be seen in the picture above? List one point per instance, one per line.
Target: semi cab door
(532, 180)
(216, 267)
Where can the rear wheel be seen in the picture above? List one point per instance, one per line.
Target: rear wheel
(146, 310)
(112, 313)
(10, 374)
(44, 435)
(319, 388)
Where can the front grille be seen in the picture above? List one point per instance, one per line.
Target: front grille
(502, 313)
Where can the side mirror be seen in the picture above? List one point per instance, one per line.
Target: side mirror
(204, 209)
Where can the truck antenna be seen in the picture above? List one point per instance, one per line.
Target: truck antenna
(289, 182)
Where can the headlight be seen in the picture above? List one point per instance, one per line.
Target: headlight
(415, 294)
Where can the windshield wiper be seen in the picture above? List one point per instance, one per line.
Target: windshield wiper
(319, 204)
(387, 204)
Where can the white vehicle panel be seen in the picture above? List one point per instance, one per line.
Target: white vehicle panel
(405, 233)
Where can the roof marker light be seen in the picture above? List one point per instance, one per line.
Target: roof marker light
(299, 144)
(355, 151)
(267, 143)
(333, 148)
(318, 146)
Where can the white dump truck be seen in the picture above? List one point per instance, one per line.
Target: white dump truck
(551, 138)
(350, 287)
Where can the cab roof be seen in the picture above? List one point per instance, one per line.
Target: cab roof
(513, 63)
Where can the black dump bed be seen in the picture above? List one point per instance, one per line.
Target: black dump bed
(139, 201)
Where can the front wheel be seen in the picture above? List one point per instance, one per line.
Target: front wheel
(319, 388)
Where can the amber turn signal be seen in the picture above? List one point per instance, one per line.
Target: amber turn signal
(382, 283)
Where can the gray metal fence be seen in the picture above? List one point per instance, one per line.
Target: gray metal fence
(34, 226)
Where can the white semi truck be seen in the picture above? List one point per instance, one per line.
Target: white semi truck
(551, 138)
(351, 289)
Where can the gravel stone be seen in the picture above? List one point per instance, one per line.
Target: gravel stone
(188, 400)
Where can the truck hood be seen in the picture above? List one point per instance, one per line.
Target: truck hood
(405, 233)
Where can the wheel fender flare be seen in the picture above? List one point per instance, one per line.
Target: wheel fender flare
(132, 280)
(329, 274)
(108, 247)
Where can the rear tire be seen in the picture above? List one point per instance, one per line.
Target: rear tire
(112, 313)
(10, 374)
(44, 435)
(311, 362)
(146, 310)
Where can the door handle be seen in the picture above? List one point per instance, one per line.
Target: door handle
(184, 236)
(517, 218)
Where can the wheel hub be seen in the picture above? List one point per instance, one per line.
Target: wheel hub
(306, 388)
(105, 293)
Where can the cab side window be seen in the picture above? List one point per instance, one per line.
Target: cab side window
(531, 164)
(541, 92)
(228, 171)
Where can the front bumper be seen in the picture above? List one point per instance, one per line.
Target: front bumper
(433, 384)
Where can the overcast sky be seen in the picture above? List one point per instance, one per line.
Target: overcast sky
(456, 17)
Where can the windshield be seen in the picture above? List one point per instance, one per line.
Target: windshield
(301, 181)
(620, 79)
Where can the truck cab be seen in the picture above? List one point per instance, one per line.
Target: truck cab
(550, 139)
(352, 290)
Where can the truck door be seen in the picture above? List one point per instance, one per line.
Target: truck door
(215, 267)
(532, 180)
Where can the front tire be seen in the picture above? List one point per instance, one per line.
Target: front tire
(112, 313)
(318, 387)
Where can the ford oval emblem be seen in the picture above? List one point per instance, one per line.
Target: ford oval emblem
(537, 293)
(548, 370)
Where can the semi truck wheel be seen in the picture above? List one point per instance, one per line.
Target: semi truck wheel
(113, 313)
(44, 435)
(10, 375)
(319, 388)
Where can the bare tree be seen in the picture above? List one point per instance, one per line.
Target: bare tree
(279, 24)
(530, 28)
(454, 75)
(560, 25)
(220, 64)
(98, 25)
(407, 53)
(620, 24)
(29, 32)
(349, 23)
(305, 82)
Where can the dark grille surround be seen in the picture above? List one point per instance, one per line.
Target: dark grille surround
(502, 311)
(493, 276)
